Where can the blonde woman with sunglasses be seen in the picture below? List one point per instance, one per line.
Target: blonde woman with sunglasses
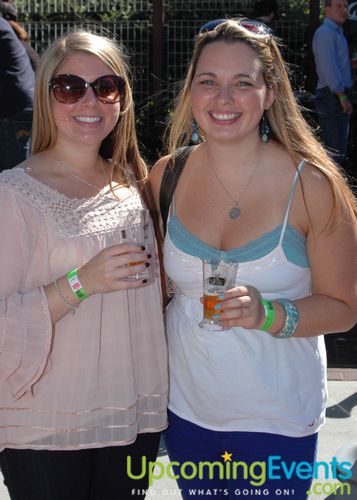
(83, 379)
(246, 402)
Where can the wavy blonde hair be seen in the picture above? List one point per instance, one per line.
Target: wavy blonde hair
(287, 124)
(121, 145)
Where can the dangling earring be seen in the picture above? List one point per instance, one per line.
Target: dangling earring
(264, 129)
(195, 136)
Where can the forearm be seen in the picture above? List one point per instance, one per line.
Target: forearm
(60, 299)
(105, 272)
(321, 314)
(318, 315)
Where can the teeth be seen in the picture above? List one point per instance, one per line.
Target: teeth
(88, 119)
(225, 116)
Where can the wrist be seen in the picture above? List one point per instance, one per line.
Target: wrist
(85, 280)
(76, 285)
(273, 317)
(65, 294)
(342, 97)
(292, 317)
(268, 316)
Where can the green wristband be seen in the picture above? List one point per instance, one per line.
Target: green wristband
(269, 315)
(343, 97)
(76, 285)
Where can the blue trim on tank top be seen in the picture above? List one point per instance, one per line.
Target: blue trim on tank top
(293, 244)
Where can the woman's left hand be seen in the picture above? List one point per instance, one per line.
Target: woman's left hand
(242, 307)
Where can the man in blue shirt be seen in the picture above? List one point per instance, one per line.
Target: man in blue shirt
(334, 79)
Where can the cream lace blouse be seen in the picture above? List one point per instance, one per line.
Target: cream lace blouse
(97, 378)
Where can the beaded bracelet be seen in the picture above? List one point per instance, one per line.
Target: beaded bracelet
(269, 315)
(292, 319)
(76, 285)
(72, 307)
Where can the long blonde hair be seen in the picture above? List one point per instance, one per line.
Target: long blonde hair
(287, 124)
(121, 145)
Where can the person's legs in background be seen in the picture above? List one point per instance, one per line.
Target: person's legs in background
(334, 124)
(15, 133)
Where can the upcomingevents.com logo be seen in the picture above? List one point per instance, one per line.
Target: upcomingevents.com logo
(256, 473)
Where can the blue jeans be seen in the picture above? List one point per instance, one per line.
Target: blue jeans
(187, 442)
(15, 132)
(334, 124)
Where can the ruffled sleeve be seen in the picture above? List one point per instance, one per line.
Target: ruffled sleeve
(25, 323)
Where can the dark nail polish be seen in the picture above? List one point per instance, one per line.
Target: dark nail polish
(145, 281)
(142, 247)
(149, 255)
(147, 264)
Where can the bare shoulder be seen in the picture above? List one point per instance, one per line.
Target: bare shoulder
(317, 186)
(157, 170)
(318, 196)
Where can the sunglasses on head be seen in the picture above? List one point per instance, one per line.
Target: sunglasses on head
(255, 27)
(69, 89)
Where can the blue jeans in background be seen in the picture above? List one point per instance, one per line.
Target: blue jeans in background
(334, 124)
(15, 135)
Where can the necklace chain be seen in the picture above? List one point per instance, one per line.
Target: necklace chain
(235, 211)
(76, 176)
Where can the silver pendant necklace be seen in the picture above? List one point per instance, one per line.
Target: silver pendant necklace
(76, 176)
(235, 211)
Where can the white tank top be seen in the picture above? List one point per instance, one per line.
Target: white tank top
(238, 379)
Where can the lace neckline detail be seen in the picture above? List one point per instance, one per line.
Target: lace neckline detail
(104, 192)
(72, 217)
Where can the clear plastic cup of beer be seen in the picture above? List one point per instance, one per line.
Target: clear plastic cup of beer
(218, 277)
(140, 232)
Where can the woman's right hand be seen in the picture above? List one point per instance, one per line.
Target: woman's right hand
(106, 270)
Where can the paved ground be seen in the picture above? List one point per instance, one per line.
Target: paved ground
(339, 431)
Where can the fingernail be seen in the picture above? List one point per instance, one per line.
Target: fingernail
(142, 247)
(216, 316)
(149, 255)
(147, 264)
(145, 281)
(221, 297)
(217, 306)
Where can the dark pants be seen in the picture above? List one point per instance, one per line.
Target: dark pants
(15, 134)
(334, 124)
(94, 474)
(193, 445)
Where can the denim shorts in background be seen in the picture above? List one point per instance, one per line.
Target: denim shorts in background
(334, 123)
(15, 135)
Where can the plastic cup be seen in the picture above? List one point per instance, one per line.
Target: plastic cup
(139, 232)
(218, 277)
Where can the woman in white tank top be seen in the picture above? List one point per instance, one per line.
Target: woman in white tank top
(259, 190)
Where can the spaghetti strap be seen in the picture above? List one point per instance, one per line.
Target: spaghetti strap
(172, 208)
(300, 168)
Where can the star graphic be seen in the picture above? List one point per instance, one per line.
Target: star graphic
(227, 457)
